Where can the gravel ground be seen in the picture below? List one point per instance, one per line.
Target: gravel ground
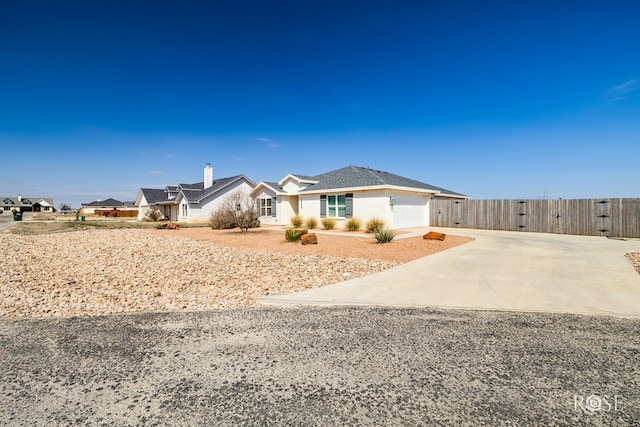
(94, 272)
(320, 366)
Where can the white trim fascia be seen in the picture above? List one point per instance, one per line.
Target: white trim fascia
(265, 185)
(453, 196)
(369, 188)
(306, 181)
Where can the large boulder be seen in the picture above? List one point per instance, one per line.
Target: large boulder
(309, 239)
(432, 235)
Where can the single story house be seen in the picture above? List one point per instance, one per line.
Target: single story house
(105, 205)
(349, 192)
(192, 202)
(27, 204)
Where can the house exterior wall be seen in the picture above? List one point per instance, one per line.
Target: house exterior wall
(287, 207)
(269, 219)
(366, 206)
(292, 186)
(143, 207)
(407, 207)
(202, 211)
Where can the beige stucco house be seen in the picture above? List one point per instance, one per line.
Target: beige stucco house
(349, 192)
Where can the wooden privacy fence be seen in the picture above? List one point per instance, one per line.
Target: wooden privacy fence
(589, 217)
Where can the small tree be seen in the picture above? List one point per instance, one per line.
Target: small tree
(65, 207)
(239, 210)
(154, 215)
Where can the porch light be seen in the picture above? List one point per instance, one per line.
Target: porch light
(392, 201)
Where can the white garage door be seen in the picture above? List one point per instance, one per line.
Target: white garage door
(409, 211)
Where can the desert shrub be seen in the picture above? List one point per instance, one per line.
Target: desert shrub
(154, 215)
(328, 223)
(353, 224)
(311, 223)
(374, 225)
(384, 235)
(293, 234)
(296, 221)
(222, 219)
(238, 210)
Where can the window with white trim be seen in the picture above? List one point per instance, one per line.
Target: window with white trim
(336, 206)
(185, 209)
(265, 207)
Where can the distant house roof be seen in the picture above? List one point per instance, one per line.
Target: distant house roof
(25, 201)
(112, 203)
(358, 177)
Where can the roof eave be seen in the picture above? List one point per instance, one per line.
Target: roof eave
(265, 185)
(370, 188)
(306, 181)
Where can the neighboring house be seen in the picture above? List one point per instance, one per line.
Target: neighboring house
(105, 205)
(192, 202)
(27, 204)
(349, 192)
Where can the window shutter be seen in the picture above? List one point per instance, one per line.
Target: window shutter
(348, 205)
(273, 207)
(323, 206)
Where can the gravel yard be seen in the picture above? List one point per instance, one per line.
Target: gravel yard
(94, 272)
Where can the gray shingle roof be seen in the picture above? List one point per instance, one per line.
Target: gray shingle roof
(275, 186)
(304, 177)
(197, 192)
(356, 176)
(154, 195)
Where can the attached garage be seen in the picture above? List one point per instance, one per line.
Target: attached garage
(409, 211)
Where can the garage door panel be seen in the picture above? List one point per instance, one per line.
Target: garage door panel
(409, 211)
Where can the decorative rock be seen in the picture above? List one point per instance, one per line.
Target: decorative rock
(432, 235)
(69, 274)
(172, 226)
(309, 239)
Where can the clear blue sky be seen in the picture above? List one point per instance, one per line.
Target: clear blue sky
(513, 99)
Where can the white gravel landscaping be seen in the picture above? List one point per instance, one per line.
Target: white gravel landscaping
(115, 271)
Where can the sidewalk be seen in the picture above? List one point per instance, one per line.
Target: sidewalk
(500, 270)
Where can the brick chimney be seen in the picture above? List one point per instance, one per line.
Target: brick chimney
(208, 176)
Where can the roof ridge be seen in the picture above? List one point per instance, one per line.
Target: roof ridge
(374, 173)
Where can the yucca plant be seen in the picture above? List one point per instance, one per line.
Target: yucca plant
(293, 235)
(384, 235)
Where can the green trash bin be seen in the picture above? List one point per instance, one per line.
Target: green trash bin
(17, 216)
(81, 217)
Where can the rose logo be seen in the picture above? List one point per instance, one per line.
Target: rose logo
(593, 403)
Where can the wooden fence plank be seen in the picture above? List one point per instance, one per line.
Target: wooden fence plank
(590, 217)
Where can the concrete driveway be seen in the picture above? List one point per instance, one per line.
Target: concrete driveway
(501, 270)
(6, 221)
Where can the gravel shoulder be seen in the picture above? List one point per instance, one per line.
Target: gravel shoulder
(93, 272)
(320, 366)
